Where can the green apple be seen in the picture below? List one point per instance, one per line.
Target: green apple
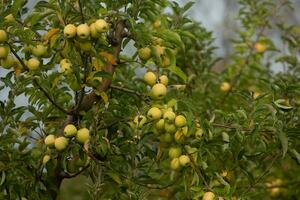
(144, 53)
(46, 158)
(101, 26)
(65, 65)
(174, 152)
(83, 135)
(175, 165)
(158, 91)
(83, 31)
(4, 50)
(70, 31)
(85, 46)
(150, 78)
(61, 143)
(170, 128)
(208, 196)
(140, 120)
(3, 36)
(70, 130)
(183, 160)
(169, 116)
(160, 125)
(166, 138)
(8, 62)
(94, 32)
(164, 80)
(39, 50)
(180, 121)
(154, 113)
(33, 64)
(49, 140)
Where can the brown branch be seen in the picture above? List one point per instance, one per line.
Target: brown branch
(142, 96)
(67, 175)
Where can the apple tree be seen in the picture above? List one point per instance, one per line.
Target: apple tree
(126, 94)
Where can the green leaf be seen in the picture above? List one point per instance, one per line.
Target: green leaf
(284, 142)
(178, 72)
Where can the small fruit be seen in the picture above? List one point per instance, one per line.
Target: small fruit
(83, 31)
(225, 87)
(160, 125)
(39, 50)
(174, 152)
(101, 26)
(33, 64)
(144, 53)
(70, 130)
(46, 158)
(208, 196)
(166, 138)
(159, 91)
(175, 164)
(159, 50)
(9, 18)
(8, 62)
(49, 140)
(83, 135)
(179, 136)
(170, 128)
(61, 143)
(255, 95)
(260, 47)
(164, 80)
(3, 52)
(166, 61)
(183, 160)
(140, 120)
(185, 131)
(169, 116)
(198, 133)
(157, 24)
(180, 121)
(65, 65)
(94, 32)
(154, 113)
(85, 46)
(3, 36)
(150, 78)
(70, 31)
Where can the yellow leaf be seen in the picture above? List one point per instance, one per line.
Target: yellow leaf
(103, 96)
(108, 57)
(115, 177)
(51, 33)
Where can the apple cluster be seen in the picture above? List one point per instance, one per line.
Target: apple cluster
(60, 143)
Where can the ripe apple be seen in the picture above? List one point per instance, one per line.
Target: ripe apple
(208, 196)
(184, 130)
(49, 140)
(140, 120)
(3, 36)
(8, 62)
(144, 53)
(39, 50)
(174, 152)
(46, 158)
(61, 143)
(65, 65)
(158, 91)
(260, 47)
(166, 61)
(70, 130)
(159, 50)
(179, 136)
(225, 87)
(169, 116)
(175, 165)
(94, 32)
(156, 41)
(4, 50)
(164, 80)
(183, 160)
(33, 64)
(170, 128)
(83, 135)
(154, 113)
(150, 78)
(180, 121)
(83, 31)
(160, 125)
(101, 26)
(70, 31)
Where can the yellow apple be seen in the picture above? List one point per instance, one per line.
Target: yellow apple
(70, 130)
(83, 135)
(174, 152)
(144, 53)
(8, 62)
(140, 120)
(180, 121)
(101, 26)
(160, 125)
(65, 65)
(94, 32)
(154, 113)
(159, 91)
(150, 78)
(39, 50)
(175, 164)
(157, 41)
(3, 36)
(49, 140)
(183, 160)
(166, 61)
(159, 50)
(169, 116)
(164, 80)
(260, 47)
(33, 64)
(170, 128)
(198, 133)
(61, 143)
(179, 136)
(225, 87)
(4, 50)
(46, 158)
(9, 18)
(83, 31)
(255, 95)
(208, 196)
(70, 31)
